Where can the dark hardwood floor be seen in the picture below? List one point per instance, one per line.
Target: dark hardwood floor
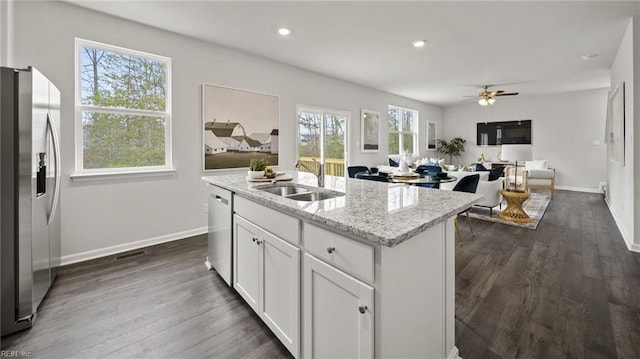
(162, 303)
(569, 289)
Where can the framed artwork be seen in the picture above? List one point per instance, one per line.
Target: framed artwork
(432, 134)
(238, 125)
(615, 125)
(370, 131)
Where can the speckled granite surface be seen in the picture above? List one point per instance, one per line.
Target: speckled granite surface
(379, 212)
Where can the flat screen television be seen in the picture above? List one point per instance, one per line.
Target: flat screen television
(498, 133)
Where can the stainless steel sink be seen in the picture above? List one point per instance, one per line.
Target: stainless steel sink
(298, 192)
(314, 196)
(283, 189)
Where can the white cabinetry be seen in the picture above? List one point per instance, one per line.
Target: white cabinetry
(267, 276)
(357, 300)
(247, 261)
(338, 311)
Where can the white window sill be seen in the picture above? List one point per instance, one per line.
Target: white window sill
(108, 176)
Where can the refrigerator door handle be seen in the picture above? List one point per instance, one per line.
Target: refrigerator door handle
(56, 149)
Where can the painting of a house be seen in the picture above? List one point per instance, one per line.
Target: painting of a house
(212, 144)
(238, 125)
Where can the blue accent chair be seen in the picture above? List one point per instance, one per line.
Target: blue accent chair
(428, 169)
(370, 177)
(353, 170)
(467, 184)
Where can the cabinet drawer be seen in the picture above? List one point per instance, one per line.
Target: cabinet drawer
(344, 253)
(278, 223)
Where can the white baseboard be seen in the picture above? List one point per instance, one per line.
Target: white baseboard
(579, 189)
(453, 354)
(102, 252)
(627, 239)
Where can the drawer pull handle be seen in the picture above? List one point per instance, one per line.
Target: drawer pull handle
(362, 308)
(254, 239)
(331, 249)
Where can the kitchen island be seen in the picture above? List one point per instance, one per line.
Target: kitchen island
(366, 273)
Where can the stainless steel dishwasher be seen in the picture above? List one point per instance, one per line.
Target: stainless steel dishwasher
(220, 236)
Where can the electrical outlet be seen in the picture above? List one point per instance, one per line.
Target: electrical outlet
(206, 208)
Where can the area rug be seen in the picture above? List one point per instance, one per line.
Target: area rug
(535, 207)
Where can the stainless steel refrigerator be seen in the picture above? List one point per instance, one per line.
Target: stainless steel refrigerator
(30, 192)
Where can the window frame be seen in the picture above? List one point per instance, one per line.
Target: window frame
(80, 108)
(400, 132)
(322, 111)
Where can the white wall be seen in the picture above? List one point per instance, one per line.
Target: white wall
(564, 128)
(6, 32)
(634, 119)
(103, 217)
(621, 178)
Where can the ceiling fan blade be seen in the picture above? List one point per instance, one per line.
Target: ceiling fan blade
(507, 94)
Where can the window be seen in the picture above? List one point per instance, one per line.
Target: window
(403, 130)
(322, 135)
(123, 110)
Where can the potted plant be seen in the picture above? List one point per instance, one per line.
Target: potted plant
(256, 168)
(455, 147)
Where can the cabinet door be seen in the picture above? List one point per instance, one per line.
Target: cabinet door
(280, 301)
(338, 313)
(246, 266)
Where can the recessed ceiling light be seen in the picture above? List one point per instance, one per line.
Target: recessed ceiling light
(284, 31)
(419, 43)
(589, 56)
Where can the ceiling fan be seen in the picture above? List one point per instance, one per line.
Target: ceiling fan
(489, 97)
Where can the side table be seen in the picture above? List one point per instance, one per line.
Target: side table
(514, 211)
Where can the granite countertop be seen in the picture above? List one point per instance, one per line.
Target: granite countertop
(376, 211)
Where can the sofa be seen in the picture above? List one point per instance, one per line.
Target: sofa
(394, 162)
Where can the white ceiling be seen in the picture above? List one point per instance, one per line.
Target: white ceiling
(529, 47)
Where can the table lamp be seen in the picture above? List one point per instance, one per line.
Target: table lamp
(515, 153)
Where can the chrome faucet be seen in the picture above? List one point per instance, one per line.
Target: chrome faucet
(319, 174)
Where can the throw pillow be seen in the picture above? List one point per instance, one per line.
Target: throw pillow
(393, 163)
(495, 173)
(481, 167)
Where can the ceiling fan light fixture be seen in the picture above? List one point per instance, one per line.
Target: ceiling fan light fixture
(483, 102)
(491, 101)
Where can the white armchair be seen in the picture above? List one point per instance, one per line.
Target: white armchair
(490, 189)
(539, 175)
(534, 174)
(491, 192)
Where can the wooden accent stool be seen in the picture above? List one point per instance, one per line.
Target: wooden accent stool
(514, 211)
